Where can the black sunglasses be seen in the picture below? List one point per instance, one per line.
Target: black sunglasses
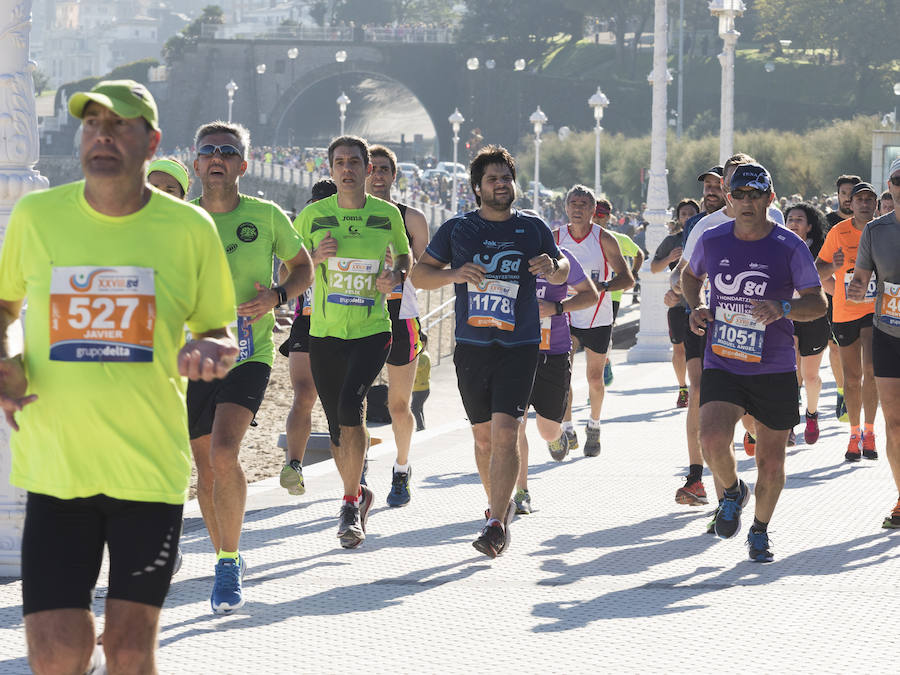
(753, 194)
(224, 150)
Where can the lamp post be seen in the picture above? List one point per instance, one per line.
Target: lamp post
(679, 127)
(261, 69)
(456, 120)
(230, 89)
(598, 102)
(538, 119)
(292, 55)
(342, 102)
(726, 11)
(896, 97)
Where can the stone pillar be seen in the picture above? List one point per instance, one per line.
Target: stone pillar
(726, 124)
(19, 149)
(653, 335)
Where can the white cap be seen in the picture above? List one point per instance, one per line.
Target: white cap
(895, 167)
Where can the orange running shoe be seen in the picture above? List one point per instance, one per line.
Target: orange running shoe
(692, 494)
(749, 444)
(868, 446)
(852, 454)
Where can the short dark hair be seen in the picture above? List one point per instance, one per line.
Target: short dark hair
(846, 179)
(686, 202)
(387, 153)
(349, 141)
(816, 224)
(239, 131)
(735, 161)
(490, 154)
(604, 202)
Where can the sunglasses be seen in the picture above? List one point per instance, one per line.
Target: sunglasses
(753, 194)
(895, 181)
(224, 150)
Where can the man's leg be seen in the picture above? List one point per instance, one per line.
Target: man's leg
(869, 389)
(692, 421)
(812, 382)
(717, 422)
(594, 371)
(129, 636)
(299, 419)
(400, 384)
(770, 450)
(229, 483)
(678, 363)
(851, 363)
(522, 440)
(59, 640)
(200, 448)
(349, 457)
(481, 434)
(889, 393)
(504, 465)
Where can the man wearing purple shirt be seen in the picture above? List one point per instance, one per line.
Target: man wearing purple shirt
(550, 392)
(749, 366)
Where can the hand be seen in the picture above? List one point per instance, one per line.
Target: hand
(856, 291)
(468, 273)
(326, 249)
(546, 308)
(674, 254)
(266, 299)
(541, 265)
(700, 318)
(766, 311)
(13, 386)
(671, 298)
(386, 281)
(838, 260)
(207, 359)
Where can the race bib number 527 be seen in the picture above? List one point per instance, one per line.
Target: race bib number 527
(102, 314)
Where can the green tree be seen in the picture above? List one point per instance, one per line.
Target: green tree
(177, 45)
(318, 12)
(427, 11)
(41, 80)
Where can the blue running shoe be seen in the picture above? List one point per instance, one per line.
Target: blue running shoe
(228, 592)
(758, 546)
(728, 520)
(607, 373)
(399, 494)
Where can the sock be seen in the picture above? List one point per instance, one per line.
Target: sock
(812, 416)
(227, 554)
(870, 428)
(856, 431)
(734, 489)
(494, 521)
(352, 500)
(593, 424)
(401, 468)
(840, 391)
(567, 426)
(297, 466)
(695, 472)
(758, 525)
(682, 387)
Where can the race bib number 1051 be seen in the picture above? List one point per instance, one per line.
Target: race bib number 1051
(102, 314)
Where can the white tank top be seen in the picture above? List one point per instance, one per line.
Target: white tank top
(589, 253)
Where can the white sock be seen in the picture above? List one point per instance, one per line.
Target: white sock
(567, 426)
(593, 424)
(401, 468)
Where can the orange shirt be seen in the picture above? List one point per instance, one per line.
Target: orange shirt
(846, 237)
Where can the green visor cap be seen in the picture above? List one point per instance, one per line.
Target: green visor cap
(126, 98)
(173, 168)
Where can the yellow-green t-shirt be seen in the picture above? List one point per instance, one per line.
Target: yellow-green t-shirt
(630, 251)
(252, 234)
(107, 302)
(346, 303)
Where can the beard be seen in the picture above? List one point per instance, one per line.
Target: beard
(499, 204)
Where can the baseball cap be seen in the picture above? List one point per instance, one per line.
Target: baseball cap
(752, 176)
(714, 171)
(895, 167)
(126, 98)
(863, 187)
(322, 189)
(175, 169)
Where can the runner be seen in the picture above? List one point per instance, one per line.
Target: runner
(350, 328)
(754, 267)
(852, 326)
(96, 401)
(170, 176)
(252, 231)
(405, 329)
(885, 203)
(879, 252)
(634, 258)
(598, 252)
(668, 253)
(298, 427)
(550, 393)
(810, 337)
(844, 186)
(493, 255)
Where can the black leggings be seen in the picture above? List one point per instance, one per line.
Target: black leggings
(343, 371)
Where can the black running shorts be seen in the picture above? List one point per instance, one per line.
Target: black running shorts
(677, 320)
(812, 336)
(595, 339)
(694, 345)
(771, 398)
(885, 354)
(494, 379)
(847, 332)
(298, 341)
(244, 385)
(62, 548)
(550, 393)
(406, 341)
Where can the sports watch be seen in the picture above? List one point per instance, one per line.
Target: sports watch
(282, 295)
(559, 309)
(785, 307)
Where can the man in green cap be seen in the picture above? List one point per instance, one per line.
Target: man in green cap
(96, 400)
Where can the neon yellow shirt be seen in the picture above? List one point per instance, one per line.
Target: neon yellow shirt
(252, 234)
(107, 302)
(346, 303)
(630, 251)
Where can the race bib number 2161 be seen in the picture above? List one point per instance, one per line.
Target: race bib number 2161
(102, 314)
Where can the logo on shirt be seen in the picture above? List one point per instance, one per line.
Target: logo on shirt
(758, 266)
(231, 248)
(724, 262)
(359, 218)
(247, 232)
(503, 262)
(82, 284)
(353, 231)
(488, 243)
(727, 285)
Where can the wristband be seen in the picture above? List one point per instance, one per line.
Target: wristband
(402, 275)
(282, 295)
(559, 308)
(785, 307)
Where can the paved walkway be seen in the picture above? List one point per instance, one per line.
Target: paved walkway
(607, 574)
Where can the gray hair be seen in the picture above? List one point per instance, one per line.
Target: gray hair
(239, 131)
(581, 191)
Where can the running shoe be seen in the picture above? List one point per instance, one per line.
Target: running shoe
(892, 522)
(491, 541)
(758, 546)
(728, 520)
(692, 493)
(811, 434)
(179, 560)
(853, 454)
(228, 593)
(399, 494)
(522, 500)
(792, 439)
(559, 449)
(352, 527)
(572, 438)
(291, 478)
(749, 444)
(607, 374)
(711, 525)
(868, 446)
(592, 442)
(682, 401)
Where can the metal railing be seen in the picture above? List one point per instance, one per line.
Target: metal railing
(391, 34)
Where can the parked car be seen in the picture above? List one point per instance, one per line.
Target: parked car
(544, 192)
(409, 170)
(462, 173)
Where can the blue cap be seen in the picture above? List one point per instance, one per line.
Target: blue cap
(751, 176)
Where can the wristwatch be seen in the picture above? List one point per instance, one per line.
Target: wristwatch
(559, 308)
(282, 295)
(603, 286)
(785, 307)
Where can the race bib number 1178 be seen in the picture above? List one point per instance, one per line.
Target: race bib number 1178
(102, 314)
